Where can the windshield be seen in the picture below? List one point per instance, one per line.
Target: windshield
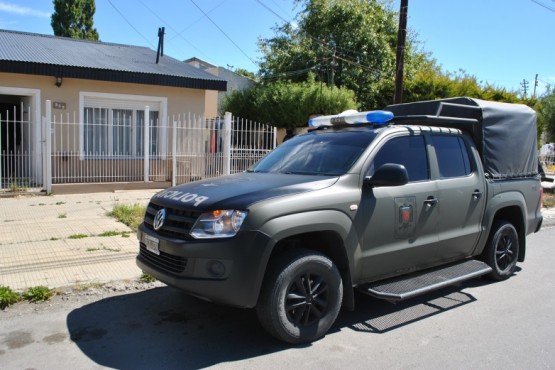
(330, 153)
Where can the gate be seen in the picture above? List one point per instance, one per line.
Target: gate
(19, 160)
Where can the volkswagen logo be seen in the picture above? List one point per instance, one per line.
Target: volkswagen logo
(159, 219)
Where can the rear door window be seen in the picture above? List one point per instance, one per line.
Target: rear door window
(452, 156)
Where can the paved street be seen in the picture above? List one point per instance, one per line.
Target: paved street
(480, 325)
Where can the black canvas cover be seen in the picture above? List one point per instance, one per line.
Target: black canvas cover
(505, 134)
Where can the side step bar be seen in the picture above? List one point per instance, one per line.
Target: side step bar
(405, 287)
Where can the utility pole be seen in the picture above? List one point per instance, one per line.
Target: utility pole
(535, 84)
(400, 57)
(524, 85)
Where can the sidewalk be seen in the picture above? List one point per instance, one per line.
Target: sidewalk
(54, 240)
(37, 248)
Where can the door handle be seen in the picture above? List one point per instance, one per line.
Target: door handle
(431, 201)
(477, 194)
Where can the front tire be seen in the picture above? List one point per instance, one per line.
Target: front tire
(301, 297)
(501, 252)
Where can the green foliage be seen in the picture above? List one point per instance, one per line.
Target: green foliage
(546, 115)
(109, 233)
(285, 104)
(352, 44)
(74, 18)
(8, 297)
(38, 294)
(348, 43)
(78, 236)
(146, 278)
(130, 215)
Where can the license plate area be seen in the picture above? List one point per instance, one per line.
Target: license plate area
(152, 244)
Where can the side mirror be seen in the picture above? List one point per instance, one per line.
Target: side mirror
(389, 174)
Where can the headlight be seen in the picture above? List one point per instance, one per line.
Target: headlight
(218, 224)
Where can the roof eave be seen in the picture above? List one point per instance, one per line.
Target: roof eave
(111, 75)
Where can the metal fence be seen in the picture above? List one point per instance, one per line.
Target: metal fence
(18, 155)
(95, 147)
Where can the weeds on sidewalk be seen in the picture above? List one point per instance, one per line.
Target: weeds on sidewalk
(34, 294)
(130, 215)
(38, 294)
(8, 297)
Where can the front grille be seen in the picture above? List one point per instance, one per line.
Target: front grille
(164, 261)
(178, 222)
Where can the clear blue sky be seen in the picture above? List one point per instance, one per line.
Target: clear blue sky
(502, 42)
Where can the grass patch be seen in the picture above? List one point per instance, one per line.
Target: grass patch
(16, 187)
(130, 215)
(78, 236)
(54, 238)
(38, 294)
(8, 297)
(548, 199)
(146, 278)
(62, 215)
(60, 203)
(110, 233)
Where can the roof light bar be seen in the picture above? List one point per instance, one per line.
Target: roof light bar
(353, 118)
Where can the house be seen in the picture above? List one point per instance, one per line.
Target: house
(235, 82)
(105, 88)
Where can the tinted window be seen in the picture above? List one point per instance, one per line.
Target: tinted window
(410, 151)
(452, 156)
(317, 153)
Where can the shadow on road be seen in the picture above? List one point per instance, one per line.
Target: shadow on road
(165, 328)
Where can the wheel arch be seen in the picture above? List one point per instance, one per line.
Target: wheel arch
(325, 231)
(328, 243)
(514, 215)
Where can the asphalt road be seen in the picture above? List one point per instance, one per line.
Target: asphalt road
(479, 325)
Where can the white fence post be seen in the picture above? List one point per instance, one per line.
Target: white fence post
(174, 152)
(146, 144)
(47, 148)
(227, 143)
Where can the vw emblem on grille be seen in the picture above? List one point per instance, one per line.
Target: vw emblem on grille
(159, 219)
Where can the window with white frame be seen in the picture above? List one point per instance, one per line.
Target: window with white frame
(116, 127)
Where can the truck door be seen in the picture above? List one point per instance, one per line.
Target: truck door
(400, 223)
(461, 197)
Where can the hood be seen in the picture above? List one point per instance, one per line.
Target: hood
(238, 191)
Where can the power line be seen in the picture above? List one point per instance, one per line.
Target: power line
(544, 6)
(173, 29)
(222, 31)
(129, 23)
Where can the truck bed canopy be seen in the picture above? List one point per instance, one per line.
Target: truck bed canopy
(505, 134)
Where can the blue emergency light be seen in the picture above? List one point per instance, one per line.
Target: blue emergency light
(352, 118)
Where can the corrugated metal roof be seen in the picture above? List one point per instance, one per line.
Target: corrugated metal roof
(30, 53)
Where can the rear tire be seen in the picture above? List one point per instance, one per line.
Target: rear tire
(501, 252)
(301, 297)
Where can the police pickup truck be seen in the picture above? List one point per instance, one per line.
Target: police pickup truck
(393, 203)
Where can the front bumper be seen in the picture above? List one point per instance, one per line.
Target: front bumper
(228, 271)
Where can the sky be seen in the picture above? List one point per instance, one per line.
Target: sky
(501, 42)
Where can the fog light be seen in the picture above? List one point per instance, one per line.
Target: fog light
(216, 268)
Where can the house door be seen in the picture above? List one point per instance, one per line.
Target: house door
(10, 133)
(16, 154)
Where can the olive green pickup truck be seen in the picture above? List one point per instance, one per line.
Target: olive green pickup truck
(393, 203)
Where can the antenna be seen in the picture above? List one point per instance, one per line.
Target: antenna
(160, 51)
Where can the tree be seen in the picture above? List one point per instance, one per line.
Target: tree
(74, 18)
(352, 44)
(546, 115)
(347, 43)
(285, 104)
